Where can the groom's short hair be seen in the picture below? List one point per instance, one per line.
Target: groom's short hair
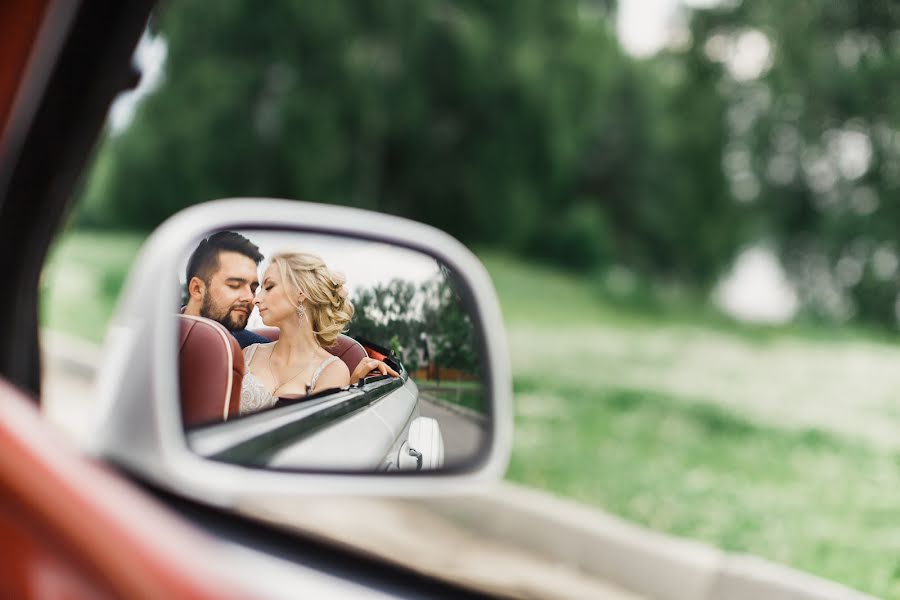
(204, 261)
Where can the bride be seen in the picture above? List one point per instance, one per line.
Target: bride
(308, 303)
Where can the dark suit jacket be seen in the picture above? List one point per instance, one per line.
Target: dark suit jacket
(245, 337)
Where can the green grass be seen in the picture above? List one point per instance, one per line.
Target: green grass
(533, 293)
(805, 498)
(468, 394)
(776, 441)
(82, 280)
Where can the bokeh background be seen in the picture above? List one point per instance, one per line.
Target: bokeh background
(689, 209)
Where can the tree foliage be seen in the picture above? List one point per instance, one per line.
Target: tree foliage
(521, 125)
(524, 125)
(813, 144)
(420, 322)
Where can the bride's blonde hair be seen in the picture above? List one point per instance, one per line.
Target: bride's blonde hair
(327, 305)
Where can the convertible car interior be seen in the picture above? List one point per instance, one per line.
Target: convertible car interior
(212, 368)
(345, 348)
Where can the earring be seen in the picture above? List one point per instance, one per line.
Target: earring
(301, 312)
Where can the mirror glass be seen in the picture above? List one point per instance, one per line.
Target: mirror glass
(310, 351)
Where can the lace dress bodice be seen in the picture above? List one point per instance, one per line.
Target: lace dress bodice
(254, 394)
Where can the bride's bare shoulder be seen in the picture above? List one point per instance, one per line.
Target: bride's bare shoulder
(250, 350)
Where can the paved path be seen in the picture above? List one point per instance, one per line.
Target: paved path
(67, 398)
(462, 435)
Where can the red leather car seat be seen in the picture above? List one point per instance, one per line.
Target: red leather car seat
(345, 347)
(211, 371)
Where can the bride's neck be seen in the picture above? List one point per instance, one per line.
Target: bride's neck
(296, 340)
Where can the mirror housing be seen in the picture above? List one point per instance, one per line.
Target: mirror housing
(138, 425)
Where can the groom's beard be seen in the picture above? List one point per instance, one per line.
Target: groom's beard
(231, 320)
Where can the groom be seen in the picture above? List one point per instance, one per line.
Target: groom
(221, 283)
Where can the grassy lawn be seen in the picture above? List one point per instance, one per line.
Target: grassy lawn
(82, 280)
(468, 394)
(803, 498)
(779, 442)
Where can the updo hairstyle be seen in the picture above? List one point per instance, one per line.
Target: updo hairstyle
(327, 305)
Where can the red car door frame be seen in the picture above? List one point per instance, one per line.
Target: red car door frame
(71, 528)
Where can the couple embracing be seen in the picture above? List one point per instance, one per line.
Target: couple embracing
(299, 295)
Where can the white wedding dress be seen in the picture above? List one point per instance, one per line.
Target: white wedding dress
(254, 395)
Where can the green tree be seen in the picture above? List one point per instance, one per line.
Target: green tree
(410, 317)
(467, 115)
(448, 325)
(385, 315)
(812, 143)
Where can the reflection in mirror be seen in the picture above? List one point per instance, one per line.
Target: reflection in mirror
(320, 352)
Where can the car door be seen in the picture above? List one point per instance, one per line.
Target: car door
(68, 524)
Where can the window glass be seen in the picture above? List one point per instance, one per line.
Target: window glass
(687, 209)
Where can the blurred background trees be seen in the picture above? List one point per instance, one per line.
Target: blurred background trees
(812, 143)
(422, 322)
(526, 126)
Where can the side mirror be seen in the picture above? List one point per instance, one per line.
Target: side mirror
(364, 354)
